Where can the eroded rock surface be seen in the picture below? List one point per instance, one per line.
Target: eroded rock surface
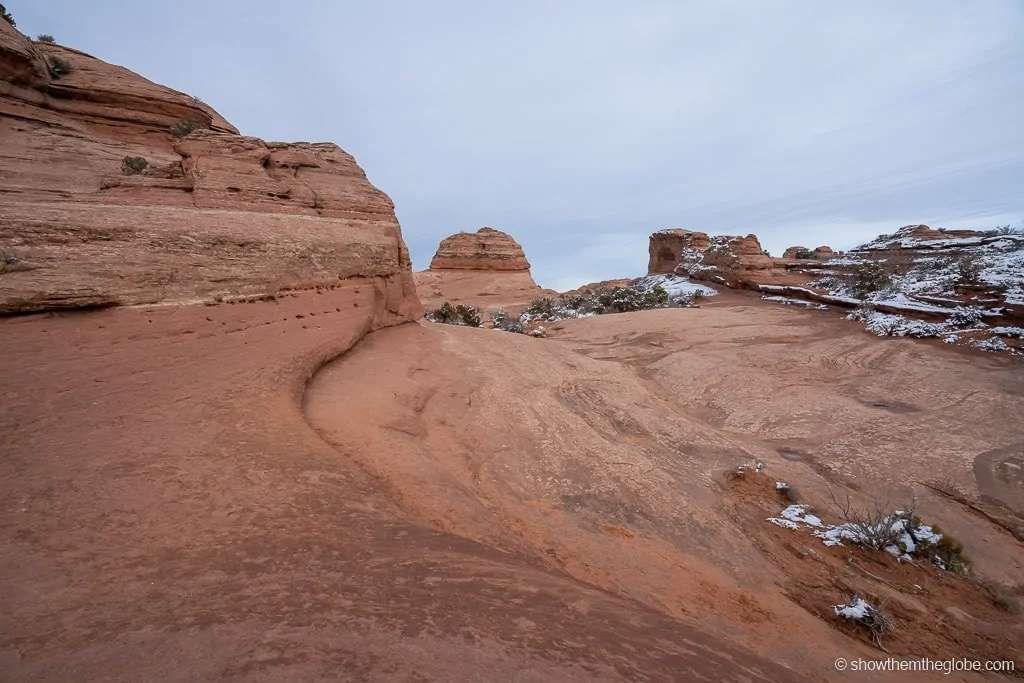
(213, 215)
(486, 268)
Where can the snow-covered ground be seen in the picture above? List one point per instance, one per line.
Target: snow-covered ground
(676, 285)
(789, 301)
(929, 280)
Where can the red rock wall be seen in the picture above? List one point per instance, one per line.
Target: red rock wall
(214, 216)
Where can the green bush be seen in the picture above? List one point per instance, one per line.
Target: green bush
(183, 128)
(6, 16)
(133, 165)
(868, 278)
(968, 271)
(467, 316)
(542, 306)
(59, 67)
(45, 38)
(503, 321)
(805, 254)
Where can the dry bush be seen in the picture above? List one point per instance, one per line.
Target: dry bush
(875, 619)
(877, 526)
(1006, 598)
(133, 165)
(184, 127)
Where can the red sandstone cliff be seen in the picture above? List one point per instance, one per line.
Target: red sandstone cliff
(213, 216)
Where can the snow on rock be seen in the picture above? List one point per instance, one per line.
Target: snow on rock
(858, 609)
(788, 301)
(675, 285)
(1011, 332)
(990, 344)
(900, 534)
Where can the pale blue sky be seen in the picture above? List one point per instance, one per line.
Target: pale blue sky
(581, 126)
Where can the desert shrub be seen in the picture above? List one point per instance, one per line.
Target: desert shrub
(503, 321)
(868, 278)
(45, 38)
(542, 306)
(966, 316)
(946, 553)
(787, 492)
(467, 316)
(878, 527)
(804, 254)
(133, 165)
(968, 270)
(1010, 332)
(183, 128)
(59, 67)
(990, 344)
(6, 16)
(1003, 230)
(1001, 595)
(874, 619)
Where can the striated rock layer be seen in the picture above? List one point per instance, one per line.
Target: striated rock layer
(485, 249)
(487, 268)
(214, 215)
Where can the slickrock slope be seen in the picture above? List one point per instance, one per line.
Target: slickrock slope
(169, 514)
(214, 215)
(604, 452)
(487, 268)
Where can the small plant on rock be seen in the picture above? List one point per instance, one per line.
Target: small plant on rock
(59, 67)
(966, 316)
(874, 619)
(542, 306)
(6, 16)
(183, 128)
(968, 271)
(133, 165)
(868, 278)
(45, 38)
(805, 254)
(503, 321)
(467, 316)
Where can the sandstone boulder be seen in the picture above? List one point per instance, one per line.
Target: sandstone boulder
(486, 268)
(485, 249)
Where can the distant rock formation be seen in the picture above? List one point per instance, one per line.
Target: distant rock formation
(486, 268)
(208, 216)
(485, 249)
(729, 260)
(805, 253)
(667, 248)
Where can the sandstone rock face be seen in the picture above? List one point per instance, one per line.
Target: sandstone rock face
(818, 253)
(214, 215)
(667, 248)
(732, 261)
(487, 269)
(486, 249)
